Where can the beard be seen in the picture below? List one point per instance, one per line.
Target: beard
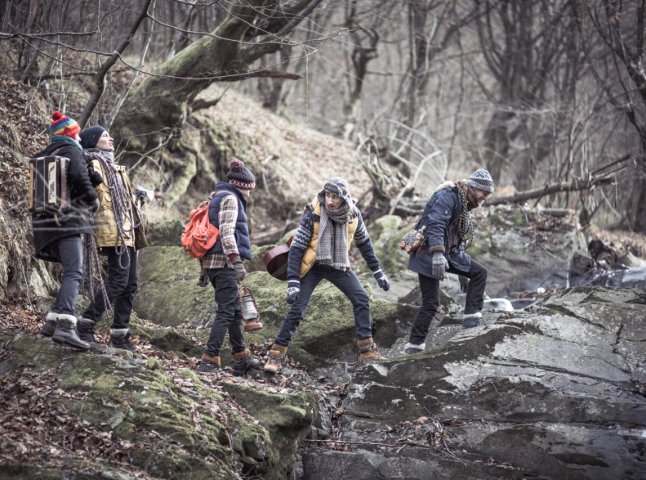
(472, 200)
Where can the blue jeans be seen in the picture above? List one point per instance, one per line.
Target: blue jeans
(430, 289)
(228, 315)
(121, 287)
(347, 282)
(70, 252)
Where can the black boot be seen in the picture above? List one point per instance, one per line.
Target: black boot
(243, 361)
(85, 327)
(120, 338)
(65, 332)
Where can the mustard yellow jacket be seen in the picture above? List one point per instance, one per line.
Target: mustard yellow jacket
(105, 221)
(310, 252)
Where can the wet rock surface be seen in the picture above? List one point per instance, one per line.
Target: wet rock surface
(553, 392)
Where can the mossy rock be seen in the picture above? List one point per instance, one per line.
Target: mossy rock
(287, 416)
(168, 292)
(177, 425)
(169, 296)
(169, 339)
(386, 232)
(167, 233)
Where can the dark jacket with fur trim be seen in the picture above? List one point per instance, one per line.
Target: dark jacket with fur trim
(439, 217)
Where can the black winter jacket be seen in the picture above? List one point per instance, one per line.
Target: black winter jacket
(48, 229)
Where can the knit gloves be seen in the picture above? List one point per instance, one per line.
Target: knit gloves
(293, 290)
(382, 280)
(439, 265)
(464, 283)
(238, 267)
(94, 206)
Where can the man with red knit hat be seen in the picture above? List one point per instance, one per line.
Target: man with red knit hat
(224, 268)
(57, 238)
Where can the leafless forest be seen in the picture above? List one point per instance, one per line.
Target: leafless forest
(542, 93)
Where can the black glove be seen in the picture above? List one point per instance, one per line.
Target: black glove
(464, 283)
(203, 281)
(238, 266)
(94, 206)
(95, 177)
(382, 280)
(293, 290)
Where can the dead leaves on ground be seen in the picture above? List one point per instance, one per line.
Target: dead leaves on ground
(37, 426)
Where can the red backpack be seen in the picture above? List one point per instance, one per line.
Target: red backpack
(199, 234)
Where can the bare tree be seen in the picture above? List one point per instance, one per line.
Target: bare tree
(522, 44)
(622, 26)
(363, 29)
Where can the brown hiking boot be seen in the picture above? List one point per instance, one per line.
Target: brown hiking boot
(277, 355)
(208, 364)
(243, 361)
(368, 350)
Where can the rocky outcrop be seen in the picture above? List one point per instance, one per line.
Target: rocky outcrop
(557, 391)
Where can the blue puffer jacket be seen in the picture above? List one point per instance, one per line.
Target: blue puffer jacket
(440, 215)
(243, 239)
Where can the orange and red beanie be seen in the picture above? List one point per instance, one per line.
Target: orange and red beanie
(63, 125)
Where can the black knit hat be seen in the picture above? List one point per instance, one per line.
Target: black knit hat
(239, 176)
(91, 136)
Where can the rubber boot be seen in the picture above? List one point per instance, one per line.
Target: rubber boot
(243, 361)
(277, 355)
(368, 350)
(208, 364)
(120, 338)
(49, 326)
(65, 332)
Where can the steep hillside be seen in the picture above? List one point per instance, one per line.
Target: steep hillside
(290, 162)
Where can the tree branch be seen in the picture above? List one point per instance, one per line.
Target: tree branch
(574, 186)
(235, 77)
(100, 76)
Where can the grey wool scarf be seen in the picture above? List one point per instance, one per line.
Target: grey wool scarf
(332, 247)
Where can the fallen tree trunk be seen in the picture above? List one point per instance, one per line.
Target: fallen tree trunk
(574, 186)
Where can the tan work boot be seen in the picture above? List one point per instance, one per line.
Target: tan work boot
(277, 355)
(368, 350)
(208, 364)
